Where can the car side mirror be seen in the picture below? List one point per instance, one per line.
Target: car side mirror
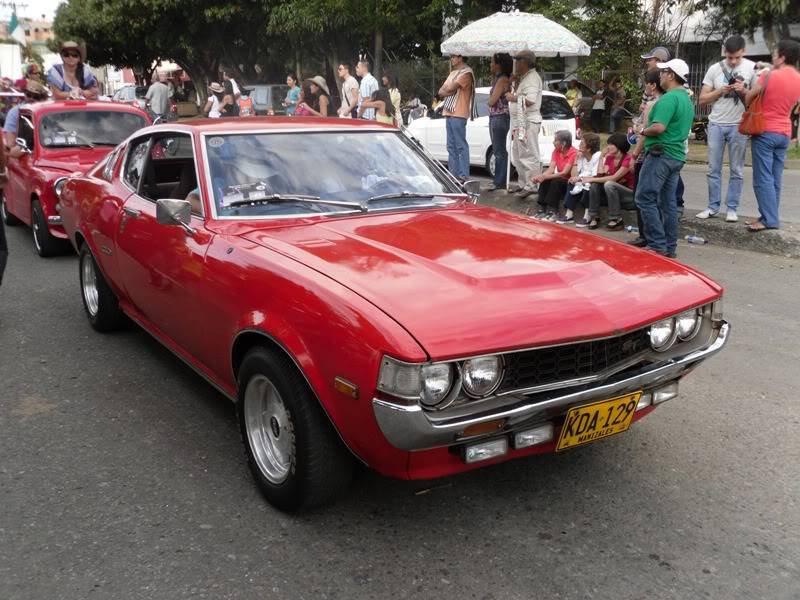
(171, 211)
(473, 188)
(21, 143)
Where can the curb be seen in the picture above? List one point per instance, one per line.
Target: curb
(779, 242)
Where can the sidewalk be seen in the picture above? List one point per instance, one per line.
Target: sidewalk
(783, 242)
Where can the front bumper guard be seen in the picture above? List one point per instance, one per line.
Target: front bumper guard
(409, 428)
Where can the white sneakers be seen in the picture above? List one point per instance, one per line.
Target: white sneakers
(730, 216)
(706, 214)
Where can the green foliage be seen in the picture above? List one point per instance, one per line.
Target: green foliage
(744, 16)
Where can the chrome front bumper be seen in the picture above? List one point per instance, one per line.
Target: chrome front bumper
(410, 428)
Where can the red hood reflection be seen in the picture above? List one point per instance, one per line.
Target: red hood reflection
(473, 279)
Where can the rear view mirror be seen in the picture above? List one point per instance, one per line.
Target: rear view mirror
(171, 211)
(21, 143)
(473, 188)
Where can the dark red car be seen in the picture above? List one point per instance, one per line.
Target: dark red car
(59, 138)
(356, 304)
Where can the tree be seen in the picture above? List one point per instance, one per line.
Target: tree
(744, 16)
(200, 35)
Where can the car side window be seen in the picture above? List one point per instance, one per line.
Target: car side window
(25, 130)
(134, 167)
(170, 171)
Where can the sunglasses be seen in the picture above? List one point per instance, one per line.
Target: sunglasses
(71, 55)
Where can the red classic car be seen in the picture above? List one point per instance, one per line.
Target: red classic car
(350, 297)
(57, 139)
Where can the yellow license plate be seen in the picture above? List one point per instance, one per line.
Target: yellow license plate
(592, 422)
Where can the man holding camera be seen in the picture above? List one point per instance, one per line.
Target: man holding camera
(724, 88)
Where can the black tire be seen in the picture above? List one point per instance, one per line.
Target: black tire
(44, 243)
(7, 217)
(318, 468)
(103, 311)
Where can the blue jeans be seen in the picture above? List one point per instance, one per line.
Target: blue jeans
(498, 130)
(769, 154)
(655, 198)
(718, 136)
(457, 147)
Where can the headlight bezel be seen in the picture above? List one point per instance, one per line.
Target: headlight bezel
(669, 340)
(698, 321)
(443, 396)
(58, 186)
(468, 389)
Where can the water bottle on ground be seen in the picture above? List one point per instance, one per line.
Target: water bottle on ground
(695, 239)
(631, 229)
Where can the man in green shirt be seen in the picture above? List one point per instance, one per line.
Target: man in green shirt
(665, 154)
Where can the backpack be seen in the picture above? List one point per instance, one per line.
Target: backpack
(246, 107)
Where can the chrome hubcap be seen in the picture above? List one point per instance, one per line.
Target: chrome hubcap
(492, 163)
(89, 285)
(269, 429)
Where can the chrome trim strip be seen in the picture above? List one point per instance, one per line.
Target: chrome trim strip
(409, 428)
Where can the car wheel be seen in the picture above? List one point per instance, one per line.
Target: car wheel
(99, 301)
(292, 448)
(490, 162)
(8, 218)
(44, 243)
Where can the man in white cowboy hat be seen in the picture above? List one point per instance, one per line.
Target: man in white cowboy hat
(524, 104)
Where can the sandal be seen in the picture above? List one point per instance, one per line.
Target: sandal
(758, 226)
(593, 224)
(615, 224)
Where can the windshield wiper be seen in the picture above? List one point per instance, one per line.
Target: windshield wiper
(275, 198)
(406, 194)
(79, 141)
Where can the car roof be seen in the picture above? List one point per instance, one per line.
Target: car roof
(49, 106)
(488, 90)
(268, 124)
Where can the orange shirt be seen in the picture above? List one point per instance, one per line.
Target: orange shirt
(782, 93)
(464, 100)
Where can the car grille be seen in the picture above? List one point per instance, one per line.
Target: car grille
(544, 366)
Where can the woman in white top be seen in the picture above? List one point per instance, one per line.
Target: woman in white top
(213, 107)
(585, 166)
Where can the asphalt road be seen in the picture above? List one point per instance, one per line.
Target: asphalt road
(122, 476)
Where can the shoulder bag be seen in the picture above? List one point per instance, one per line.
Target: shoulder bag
(752, 122)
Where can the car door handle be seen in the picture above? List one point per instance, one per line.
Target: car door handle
(131, 212)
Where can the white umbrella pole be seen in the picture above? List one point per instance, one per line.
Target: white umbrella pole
(509, 142)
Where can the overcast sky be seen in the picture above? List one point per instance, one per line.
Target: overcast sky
(34, 10)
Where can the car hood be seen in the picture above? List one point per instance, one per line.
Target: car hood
(73, 159)
(471, 279)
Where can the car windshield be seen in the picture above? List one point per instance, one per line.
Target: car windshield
(87, 128)
(280, 174)
(556, 108)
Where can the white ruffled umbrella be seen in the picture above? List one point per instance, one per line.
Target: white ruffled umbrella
(515, 32)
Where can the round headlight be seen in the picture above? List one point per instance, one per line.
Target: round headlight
(687, 323)
(662, 334)
(59, 185)
(437, 379)
(481, 376)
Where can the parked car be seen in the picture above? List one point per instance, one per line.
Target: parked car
(59, 138)
(131, 94)
(430, 131)
(585, 106)
(268, 97)
(136, 95)
(375, 313)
